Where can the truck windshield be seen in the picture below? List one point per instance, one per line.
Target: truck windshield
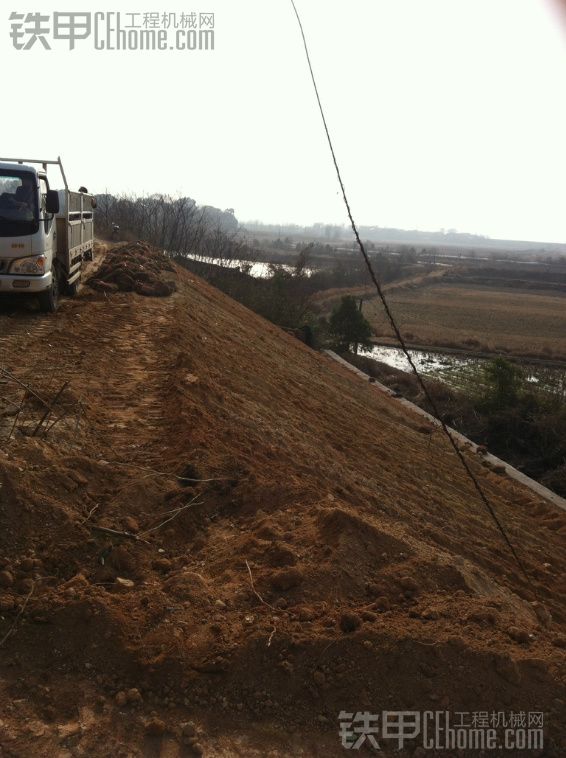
(18, 203)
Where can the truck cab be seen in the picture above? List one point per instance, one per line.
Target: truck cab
(45, 234)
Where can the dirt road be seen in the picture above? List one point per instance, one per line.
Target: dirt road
(328, 298)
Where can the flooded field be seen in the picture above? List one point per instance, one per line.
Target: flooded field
(463, 372)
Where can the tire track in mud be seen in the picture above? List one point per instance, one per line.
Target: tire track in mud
(128, 390)
(109, 350)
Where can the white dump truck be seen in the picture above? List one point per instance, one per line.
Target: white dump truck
(45, 234)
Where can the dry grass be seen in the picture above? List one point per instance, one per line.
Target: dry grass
(514, 321)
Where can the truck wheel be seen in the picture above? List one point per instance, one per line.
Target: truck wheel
(49, 300)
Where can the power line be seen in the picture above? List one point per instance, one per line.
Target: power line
(399, 336)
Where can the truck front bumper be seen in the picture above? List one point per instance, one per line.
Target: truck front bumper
(24, 284)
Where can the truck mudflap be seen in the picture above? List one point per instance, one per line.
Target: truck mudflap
(74, 275)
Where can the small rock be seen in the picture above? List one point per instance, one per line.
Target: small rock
(25, 586)
(542, 613)
(65, 731)
(36, 728)
(133, 695)
(27, 565)
(125, 584)
(408, 584)
(121, 698)
(519, 635)
(220, 604)
(79, 580)
(131, 524)
(306, 614)
(349, 622)
(507, 669)
(382, 604)
(7, 604)
(162, 564)
(6, 579)
(188, 729)
(319, 678)
(155, 727)
(286, 579)
(78, 478)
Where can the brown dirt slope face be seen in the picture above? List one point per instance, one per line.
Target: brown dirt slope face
(331, 555)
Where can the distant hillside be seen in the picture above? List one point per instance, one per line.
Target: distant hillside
(443, 237)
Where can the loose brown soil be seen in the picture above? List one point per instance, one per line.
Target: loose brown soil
(291, 543)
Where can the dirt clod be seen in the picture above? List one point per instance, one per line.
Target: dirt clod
(155, 727)
(286, 579)
(136, 267)
(349, 622)
(6, 579)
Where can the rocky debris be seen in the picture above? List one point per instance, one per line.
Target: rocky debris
(135, 267)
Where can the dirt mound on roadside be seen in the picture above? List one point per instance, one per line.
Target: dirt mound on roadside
(135, 267)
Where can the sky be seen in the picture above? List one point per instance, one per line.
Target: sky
(444, 113)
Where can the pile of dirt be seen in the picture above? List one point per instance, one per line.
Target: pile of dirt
(237, 539)
(135, 267)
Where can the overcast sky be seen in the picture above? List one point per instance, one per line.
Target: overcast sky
(445, 113)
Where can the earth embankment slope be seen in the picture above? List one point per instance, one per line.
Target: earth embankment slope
(304, 544)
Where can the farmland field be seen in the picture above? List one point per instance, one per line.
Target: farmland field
(477, 317)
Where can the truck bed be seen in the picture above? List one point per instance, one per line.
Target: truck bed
(75, 231)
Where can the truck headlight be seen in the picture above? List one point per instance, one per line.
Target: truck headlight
(29, 266)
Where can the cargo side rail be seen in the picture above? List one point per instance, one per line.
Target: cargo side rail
(43, 162)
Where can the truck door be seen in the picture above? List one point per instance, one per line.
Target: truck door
(47, 221)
